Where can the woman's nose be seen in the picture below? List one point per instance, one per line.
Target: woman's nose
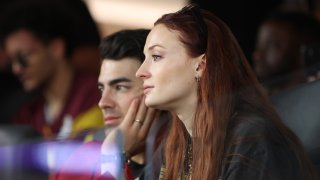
(143, 72)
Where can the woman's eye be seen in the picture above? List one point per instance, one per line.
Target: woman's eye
(156, 57)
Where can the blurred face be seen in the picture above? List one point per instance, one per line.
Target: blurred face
(276, 51)
(31, 59)
(168, 71)
(118, 86)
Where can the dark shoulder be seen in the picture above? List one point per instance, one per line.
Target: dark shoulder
(249, 135)
(255, 149)
(245, 124)
(255, 136)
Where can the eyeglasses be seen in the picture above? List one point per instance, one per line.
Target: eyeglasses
(21, 59)
(195, 12)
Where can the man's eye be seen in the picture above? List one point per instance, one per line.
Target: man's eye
(121, 88)
(21, 59)
(100, 88)
(156, 57)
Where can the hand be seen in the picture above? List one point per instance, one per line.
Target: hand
(132, 132)
(136, 125)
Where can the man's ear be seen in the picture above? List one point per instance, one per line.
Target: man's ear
(200, 64)
(57, 48)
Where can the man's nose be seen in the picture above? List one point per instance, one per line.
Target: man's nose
(16, 68)
(106, 100)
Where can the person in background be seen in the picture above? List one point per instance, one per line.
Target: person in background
(38, 37)
(12, 94)
(122, 55)
(223, 126)
(85, 58)
(87, 38)
(278, 59)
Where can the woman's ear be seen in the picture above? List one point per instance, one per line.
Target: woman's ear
(200, 64)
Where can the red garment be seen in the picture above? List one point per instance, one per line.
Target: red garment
(83, 95)
(84, 164)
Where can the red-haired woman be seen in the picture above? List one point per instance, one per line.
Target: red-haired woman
(224, 126)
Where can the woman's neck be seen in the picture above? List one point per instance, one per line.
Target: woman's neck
(187, 114)
(187, 120)
(185, 107)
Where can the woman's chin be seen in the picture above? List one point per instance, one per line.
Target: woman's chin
(156, 105)
(150, 103)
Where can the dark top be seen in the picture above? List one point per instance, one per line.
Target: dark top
(12, 96)
(257, 151)
(137, 169)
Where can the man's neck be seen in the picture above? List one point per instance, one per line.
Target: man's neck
(139, 158)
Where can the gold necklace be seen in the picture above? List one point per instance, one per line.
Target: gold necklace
(188, 160)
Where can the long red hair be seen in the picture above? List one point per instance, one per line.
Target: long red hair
(226, 83)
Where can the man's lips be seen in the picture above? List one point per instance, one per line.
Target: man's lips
(112, 120)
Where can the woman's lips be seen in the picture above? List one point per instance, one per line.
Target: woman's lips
(146, 89)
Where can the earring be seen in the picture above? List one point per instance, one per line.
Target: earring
(197, 79)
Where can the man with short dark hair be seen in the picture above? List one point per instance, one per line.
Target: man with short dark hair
(122, 55)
